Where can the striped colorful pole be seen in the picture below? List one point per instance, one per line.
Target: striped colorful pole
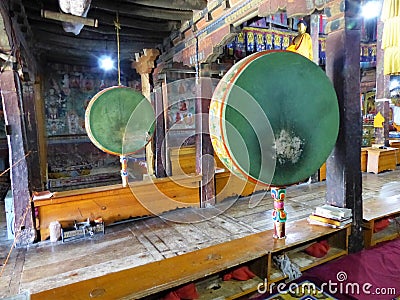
(279, 214)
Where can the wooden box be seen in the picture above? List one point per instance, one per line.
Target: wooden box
(364, 159)
(381, 159)
(183, 160)
(396, 144)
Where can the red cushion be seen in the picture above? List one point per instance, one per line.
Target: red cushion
(186, 292)
(381, 224)
(318, 249)
(172, 296)
(241, 273)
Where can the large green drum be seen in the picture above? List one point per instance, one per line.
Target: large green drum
(274, 118)
(119, 120)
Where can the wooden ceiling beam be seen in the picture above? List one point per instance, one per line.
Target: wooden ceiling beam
(143, 11)
(174, 4)
(101, 32)
(107, 18)
(77, 55)
(56, 41)
(126, 21)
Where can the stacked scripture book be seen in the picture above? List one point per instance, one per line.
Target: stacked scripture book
(331, 216)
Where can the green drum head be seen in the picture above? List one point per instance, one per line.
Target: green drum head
(300, 103)
(119, 120)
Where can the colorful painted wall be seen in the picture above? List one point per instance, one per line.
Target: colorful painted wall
(73, 160)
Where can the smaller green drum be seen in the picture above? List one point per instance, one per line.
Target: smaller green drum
(119, 120)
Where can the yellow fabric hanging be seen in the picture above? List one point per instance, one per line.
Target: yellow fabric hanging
(391, 36)
(391, 61)
(390, 9)
(391, 33)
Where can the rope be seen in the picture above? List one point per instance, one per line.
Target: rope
(17, 162)
(18, 233)
(118, 27)
(15, 240)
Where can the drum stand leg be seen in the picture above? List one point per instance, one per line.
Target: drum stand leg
(279, 213)
(124, 170)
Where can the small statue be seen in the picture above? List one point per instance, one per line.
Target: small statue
(302, 43)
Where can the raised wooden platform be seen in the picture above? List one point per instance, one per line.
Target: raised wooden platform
(183, 161)
(255, 251)
(375, 210)
(115, 203)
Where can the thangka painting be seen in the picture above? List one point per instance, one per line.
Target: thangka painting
(66, 96)
(181, 104)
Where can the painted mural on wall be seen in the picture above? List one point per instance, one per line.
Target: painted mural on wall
(67, 95)
(66, 98)
(73, 161)
(181, 104)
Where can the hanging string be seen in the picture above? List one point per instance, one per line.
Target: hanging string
(118, 28)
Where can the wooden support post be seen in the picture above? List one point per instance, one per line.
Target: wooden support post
(11, 96)
(344, 185)
(205, 164)
(159, 135)
(41, 130)
(144, 65)
(31, 136)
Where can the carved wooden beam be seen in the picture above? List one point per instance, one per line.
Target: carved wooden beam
(208, 48)
(144, 65)
(17, 37)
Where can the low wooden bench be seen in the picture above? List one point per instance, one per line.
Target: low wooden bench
(115, 203)
(375, 210)
(255, 251)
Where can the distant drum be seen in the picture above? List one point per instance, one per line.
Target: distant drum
(274, 118)
(119, 120)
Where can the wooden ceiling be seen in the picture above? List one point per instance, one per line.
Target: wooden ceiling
(144, 24)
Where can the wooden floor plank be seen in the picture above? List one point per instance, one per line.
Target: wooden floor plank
(150, 241)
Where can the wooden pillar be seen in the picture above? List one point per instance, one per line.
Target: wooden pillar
(11, 98)
(41, 130)
(382, 89)
(344, 185)
(159, 134)
(204, 149)
(144, 65)
(31, 136)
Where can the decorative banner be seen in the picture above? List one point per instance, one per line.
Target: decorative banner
(254, 39)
